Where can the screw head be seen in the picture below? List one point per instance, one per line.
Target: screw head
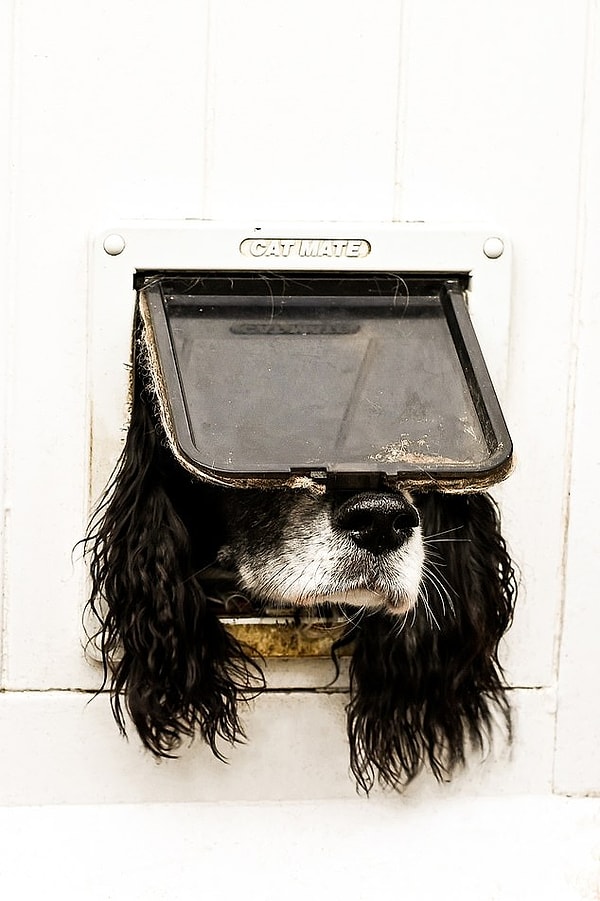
(493, 248)
(114, 245)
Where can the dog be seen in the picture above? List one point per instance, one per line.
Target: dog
(423, 579)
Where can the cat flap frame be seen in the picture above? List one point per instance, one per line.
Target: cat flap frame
(447, 267)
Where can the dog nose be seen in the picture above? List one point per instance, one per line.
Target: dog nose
(376, 522)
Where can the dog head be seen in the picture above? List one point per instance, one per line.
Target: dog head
(426, 579)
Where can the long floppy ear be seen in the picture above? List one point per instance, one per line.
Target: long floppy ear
(425, 692)
(167, 657)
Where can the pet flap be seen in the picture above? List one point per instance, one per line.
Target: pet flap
(283, 376)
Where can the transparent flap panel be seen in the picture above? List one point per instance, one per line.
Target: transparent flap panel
(270, 372)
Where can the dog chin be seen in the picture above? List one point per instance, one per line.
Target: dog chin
(364, 598)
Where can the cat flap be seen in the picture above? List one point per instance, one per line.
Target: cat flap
(273, 378)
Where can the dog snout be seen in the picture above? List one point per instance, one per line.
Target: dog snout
(377, 522)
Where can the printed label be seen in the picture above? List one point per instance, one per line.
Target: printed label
(267, 248)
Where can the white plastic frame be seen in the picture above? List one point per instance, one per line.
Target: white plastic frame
(120, 252)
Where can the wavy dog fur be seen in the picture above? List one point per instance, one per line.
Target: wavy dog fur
(166, 656)
(423, 689)
(428, 693)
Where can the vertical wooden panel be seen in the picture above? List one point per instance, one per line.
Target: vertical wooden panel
(491, 132)
(578, 725)
(303, 109)
(7, 12)
(108, 119)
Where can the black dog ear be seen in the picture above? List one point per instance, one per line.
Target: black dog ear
(426, 691)
(167, 657)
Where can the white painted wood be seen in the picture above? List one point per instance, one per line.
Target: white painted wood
(6, 308)
(415, 110)
(66, 750)
(491, 130)
(462, 850)
(302, 110)
(93, 116)
(360, 849)
(578, 724)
